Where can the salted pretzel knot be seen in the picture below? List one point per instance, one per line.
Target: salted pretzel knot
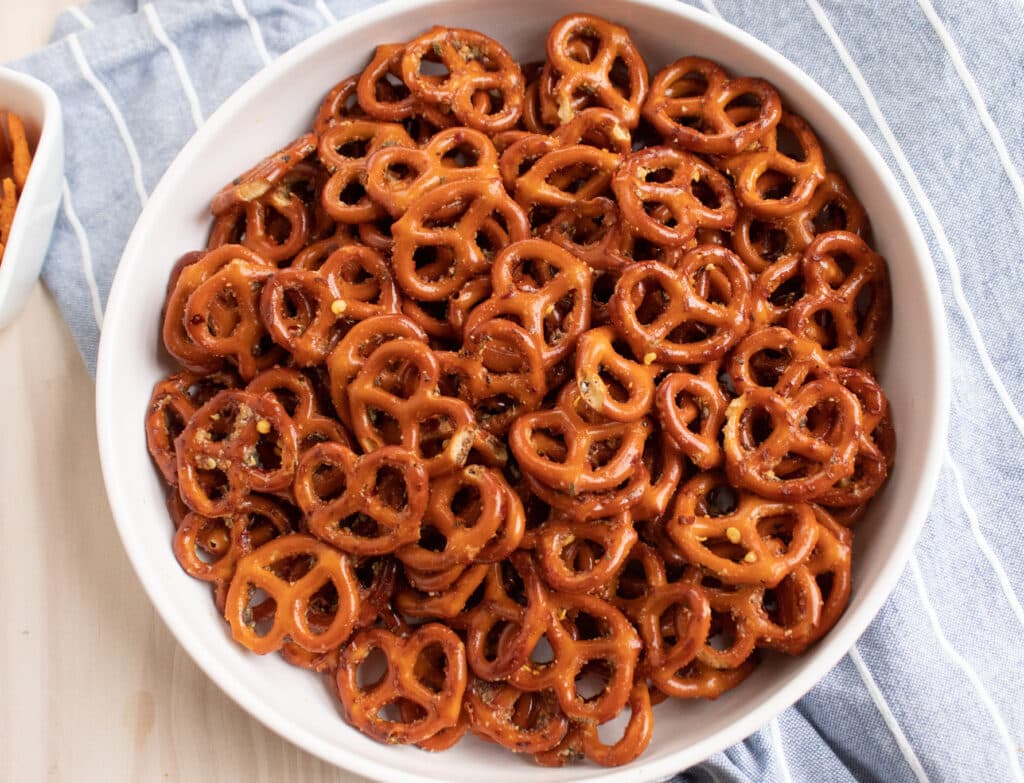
(439, 703)
(398, 386)
(691, 408)
(775, 358)
(688, 624)
(521, 721)
(478, 67)
(583, 51)
(690, 328)
(688, 104)
(825, 449)
(259, 180)
(742, 545)
(830, 288)
(226, 441)
(454, 219)
(397, 176)
(374, 503)
(295, 595)
(559, 537)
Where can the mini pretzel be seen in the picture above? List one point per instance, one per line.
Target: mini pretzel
(173, 403)
(556, 539)
(582, 76)
(445, 604)
(692, 194)
(515, 719)
(831, 290)
(339, 104)
(614, 642)
(583, 740)
(310, 334)
(209, 549)
(833, 207)
(690, 328)
(827, 454)
(478, 67)
(379, 90)
(377, 505)
(453, 218)
(775, 358)
(633, 394)
(565, 176)
(279, 206)
(741, 546)
(222, 316)
(752, 171)
(344, 149)
(224, 438)
(545, 290)
(691, 408)
(439, 704)
(261, 178)
(397, 176)
(582, 456)
(349, 356)
(420, 414)
(689, 620)
(465, 530)
(294, 599)
(698, 90)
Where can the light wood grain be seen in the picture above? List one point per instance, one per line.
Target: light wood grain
(92, 685)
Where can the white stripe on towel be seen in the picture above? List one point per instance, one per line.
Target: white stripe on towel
(83, 244)
(926, 207)
(887, 715)
(79, 14)
(254, 29)
(325, 12)
(966, 668)
(115, 113)
(179, 65)
(776, 734)
(983, 544)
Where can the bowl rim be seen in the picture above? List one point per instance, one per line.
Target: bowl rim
(831, 650)
(47, 147)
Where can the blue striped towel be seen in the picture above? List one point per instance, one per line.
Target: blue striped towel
(934, 690)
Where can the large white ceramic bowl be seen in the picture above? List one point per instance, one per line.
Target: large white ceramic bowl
(277, 105)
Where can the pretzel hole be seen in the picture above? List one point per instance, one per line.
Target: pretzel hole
(721, 500)
(172, 424)
(549, 444)
(770, 242)
(774, 186)
(789, 144)
(659, 176)
(756, 426)
(490, 238)
(788, 292)
(824, 330)
(687, 85)
(352, 194)
(461, 156)
(390, 89)
(767, 366)
(690, 332)
(398, 175)
(322, 608)
(724, 633)
(213, 540)
(592, 681)
(542, 653)
(582, 44)
(372, 669)
(356, 148)
(705, 194)
(268, 453)
(329, 481)
(390, 487)
(385, 426)
(259, 612)
(432, 67)
(619, 76)
(433, 262)
(863, 305)
(213, 483)
(435, 434)
(431, 666)
(831, 217)
(582, 556)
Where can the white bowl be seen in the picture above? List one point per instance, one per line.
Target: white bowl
(38, 107)
(278, 104)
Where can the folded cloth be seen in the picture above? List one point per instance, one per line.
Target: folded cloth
(934, 690)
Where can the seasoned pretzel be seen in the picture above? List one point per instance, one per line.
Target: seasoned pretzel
(565, 176)
(295, 596)
(478, 68)
(698, 91)
(557, 538)
(689, 192)
(439, 704)
(632, 393)
(674, 621)
(583, 51)
(756, 172)
(173, 403)
(831, 289)
(261, 178)
(690, 328)
(545, 290)
(311, 332)
(454, 219)
(558, 447)
(775, 358)
(447, 603)
(521, 721)
(398, 384)
(344, 149)
(741, 546)
(227, 439)
(826, 453)
(373, 505)
(691, 408)
(396, 177)
(339, 104)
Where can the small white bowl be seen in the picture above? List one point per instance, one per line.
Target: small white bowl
(278, 104)
(38, 107)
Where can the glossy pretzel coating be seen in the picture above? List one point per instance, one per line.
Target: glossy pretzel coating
(517, 399)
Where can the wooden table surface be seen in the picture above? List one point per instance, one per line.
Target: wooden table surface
(92, 685)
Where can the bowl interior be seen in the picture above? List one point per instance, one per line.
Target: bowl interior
(279, 104)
